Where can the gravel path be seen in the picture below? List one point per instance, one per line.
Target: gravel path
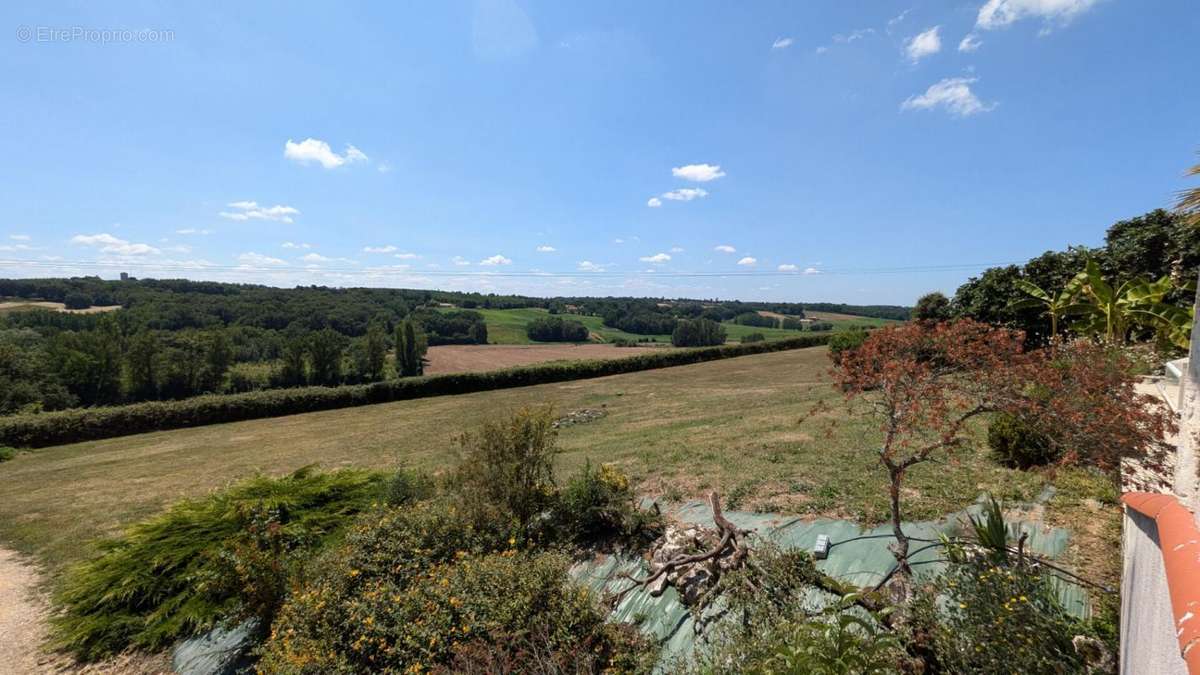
(22, 617)
(23, 629)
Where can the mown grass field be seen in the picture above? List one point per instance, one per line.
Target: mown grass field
(507, 326)
(732, 425)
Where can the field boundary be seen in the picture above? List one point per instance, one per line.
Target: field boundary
(86, 424)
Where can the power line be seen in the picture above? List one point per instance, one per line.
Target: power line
(406, 271)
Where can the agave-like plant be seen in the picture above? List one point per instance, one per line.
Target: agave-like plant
(1189, 200)
(1056, 305)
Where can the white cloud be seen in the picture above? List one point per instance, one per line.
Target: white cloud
(313, 150)
(546, 249)
(16, 247)
(748, 260)
(822, 49)
(657, 258)
(245, 210)
(589, 266)
(811, 270)
(700, 173)
(294, 245)
(192, 230)
(406, 256)
(891, 23)
(19, 237)
(924, 44)
(954, 94)
(1001, 13)
(618, 241)
(495, 260)
(725, 248)
(315, 258)
(110, 244)
(654, 202)
(969, 44)
(252, 259)
(853, 35)
(676, 249)
(460, 261)
(685, 194)
(782, 43)
(379, 249)
(788, 268)
(384, 167)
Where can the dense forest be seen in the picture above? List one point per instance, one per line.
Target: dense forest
(175, 338)
(1154, 246)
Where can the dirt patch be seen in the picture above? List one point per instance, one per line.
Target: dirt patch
(56, 306)
(474, 358)
(23, 614)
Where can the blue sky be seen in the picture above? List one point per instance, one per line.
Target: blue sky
(855, 152)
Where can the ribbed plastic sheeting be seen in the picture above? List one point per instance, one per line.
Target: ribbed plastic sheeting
(858, 556)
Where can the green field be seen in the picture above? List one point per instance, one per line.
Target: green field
(732, 425)
(507, 326)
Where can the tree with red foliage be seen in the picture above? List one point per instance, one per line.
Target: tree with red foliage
(925, 382)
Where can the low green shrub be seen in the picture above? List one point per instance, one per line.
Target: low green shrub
(407, 487)
(597, 505)
(7, 453)
(1017, 444)
(506, 468)
(446, 616)
(847, 340)
(753, 337)
(981, 617)
(72, 426)
(204, 560)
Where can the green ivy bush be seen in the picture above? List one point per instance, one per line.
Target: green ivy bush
(71, 426)
(1017, 444)
(223, 556)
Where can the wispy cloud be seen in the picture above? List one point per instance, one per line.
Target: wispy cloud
(246, 210)
(895, 20)
(969, 43)
(676, 249)
(853, 36)
(406, 256)
(460, 261)
(924, 44)
(748, 261)
(495, 260)
(788, 268)
(257, 259)
(313, 150)
(685, 194)
(654, 202)
(192, 230)
(589, 266)
(782, 43)
(107, 243)
(19, 237)
(545, 248)
(811, 270)
(657, 258)
(724, 248)
(388, 248)
(952, 94)
(1002, 13)
(295, 245)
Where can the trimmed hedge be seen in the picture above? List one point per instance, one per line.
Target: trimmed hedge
(86, 424)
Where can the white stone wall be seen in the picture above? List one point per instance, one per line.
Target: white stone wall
(1187, 464)
(1148, 642)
